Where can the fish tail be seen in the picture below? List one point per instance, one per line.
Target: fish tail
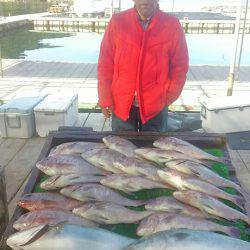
(223, 160)
(239, 201)
(139, 203)
(232, 231)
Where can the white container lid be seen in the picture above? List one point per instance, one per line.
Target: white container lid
(225, 102)
(56, 103)
(22, 105)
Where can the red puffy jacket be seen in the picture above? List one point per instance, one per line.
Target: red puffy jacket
(153, 63)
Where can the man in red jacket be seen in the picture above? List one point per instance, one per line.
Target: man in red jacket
(142, 67)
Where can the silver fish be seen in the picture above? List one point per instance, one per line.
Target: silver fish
(166, 221)
(136, 167)
(67, 164)
(65, 237)
(109, 213)
(120, 145)
(185, 239)
(161, 156)
(60, 181)
(172, 143)
(183, 182)
(39, 201)
(104, 159)
(201, 171)
(171, 205)
(75, 148)
(97, 192)
(50, 217)
(130, 183)
(210, 205)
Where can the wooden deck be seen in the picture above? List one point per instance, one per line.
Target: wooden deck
(27, 77)
(18, 156)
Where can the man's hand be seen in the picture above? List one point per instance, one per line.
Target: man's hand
(107, 111)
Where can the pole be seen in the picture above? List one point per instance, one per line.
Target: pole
(4, 214)
(242, 40)
(1, 64)
(112, 8)
(172, 6)
(120, 5)
(234, 55)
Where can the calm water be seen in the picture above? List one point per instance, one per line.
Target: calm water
(84, 47)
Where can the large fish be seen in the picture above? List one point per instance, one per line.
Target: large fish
(201, 171)
(50, 217)
(120, 145)
(210, 205)
(104, 159)
(136, 167)
(109, 213)
(129, 184)
(185, 239)
(67, 164)
(161, 156)
(183, 182)
(166, 221)
(67, 237)
(171, 205)
(39, 201)
(97, 192)
(75, 148)
(60, 181)
(172, 143)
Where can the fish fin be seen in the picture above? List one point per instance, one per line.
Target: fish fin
(37, 235)
(232, 231)
(196, 173)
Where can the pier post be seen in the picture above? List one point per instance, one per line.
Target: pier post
(93, 26)
(4, 214)
(1, 63)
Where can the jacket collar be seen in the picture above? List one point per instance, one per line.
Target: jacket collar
(154, 19)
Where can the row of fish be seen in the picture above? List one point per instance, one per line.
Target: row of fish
(87, 175)
(75, 237)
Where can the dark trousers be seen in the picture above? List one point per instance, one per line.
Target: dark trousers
(156, 124)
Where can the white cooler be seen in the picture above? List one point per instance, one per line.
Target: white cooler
(17, 117)
(225, 114)
(55, 111)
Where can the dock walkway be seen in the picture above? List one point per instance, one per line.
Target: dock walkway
(23, 77)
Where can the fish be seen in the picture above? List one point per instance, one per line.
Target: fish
(75, 148)
(186, 239)
(161, 156)
(166, 221)
(120, 145)
(104, 159)
(97, 192)
(39, 201)
(171, 205)
(129, 184)
(136, 167)
(172, 143)
(204, 173)
(67, 164)
(109, 213)
(60, 181)
(65, 236)
(183, 182)
(210, 205)
(50, 217)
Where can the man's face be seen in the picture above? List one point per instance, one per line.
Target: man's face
(146, 7)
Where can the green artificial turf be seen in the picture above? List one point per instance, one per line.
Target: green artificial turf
(129, 230)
